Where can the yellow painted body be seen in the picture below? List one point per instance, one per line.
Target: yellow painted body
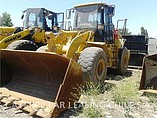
(71, 43)
(67, 43)
(7, 36)
(39, 36)
(7, 40)
(6, 31)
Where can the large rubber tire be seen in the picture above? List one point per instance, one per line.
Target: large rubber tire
(123, 61)
(23, 45)
(93, 61)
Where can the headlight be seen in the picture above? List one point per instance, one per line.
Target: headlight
(36, 29)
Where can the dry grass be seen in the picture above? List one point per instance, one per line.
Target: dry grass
(125, 94)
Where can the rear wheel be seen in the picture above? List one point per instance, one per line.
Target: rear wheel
(22, 45)
(123, 61)
(94, 64)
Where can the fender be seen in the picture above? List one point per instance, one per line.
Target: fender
(9, 39)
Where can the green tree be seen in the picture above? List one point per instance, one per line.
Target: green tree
(144, 32)
(5, 20)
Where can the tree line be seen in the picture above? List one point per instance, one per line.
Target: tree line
(5, 20)
(127, 32)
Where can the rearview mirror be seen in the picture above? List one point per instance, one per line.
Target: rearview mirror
(22, 16)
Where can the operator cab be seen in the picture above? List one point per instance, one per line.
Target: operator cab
(42, 18)
(96, 17)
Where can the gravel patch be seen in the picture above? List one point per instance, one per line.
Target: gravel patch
(10, 112)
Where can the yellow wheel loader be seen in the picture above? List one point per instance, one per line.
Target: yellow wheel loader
(37, 21)
(54, 73)
(94, 42)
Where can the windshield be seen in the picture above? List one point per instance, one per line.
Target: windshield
(86, 17)
(33, 19)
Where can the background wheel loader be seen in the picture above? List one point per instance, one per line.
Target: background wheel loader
(53, 73)
(37, 22)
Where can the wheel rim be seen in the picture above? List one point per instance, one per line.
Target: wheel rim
(100, 69)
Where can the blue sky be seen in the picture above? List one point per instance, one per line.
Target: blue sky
(138, 12)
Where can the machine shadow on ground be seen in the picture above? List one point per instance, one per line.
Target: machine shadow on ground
(112, 75)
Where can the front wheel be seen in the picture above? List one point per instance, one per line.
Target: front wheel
(93, 62)
(22, 45)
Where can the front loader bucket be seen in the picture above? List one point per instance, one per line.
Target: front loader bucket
(43, 84)
(149, 73)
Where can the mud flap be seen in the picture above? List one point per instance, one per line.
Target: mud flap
(43, 84)
(149, 73)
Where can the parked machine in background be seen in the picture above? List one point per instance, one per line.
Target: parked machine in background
(55, 71)
(149, 74)
(37, 21)
(138, 46)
